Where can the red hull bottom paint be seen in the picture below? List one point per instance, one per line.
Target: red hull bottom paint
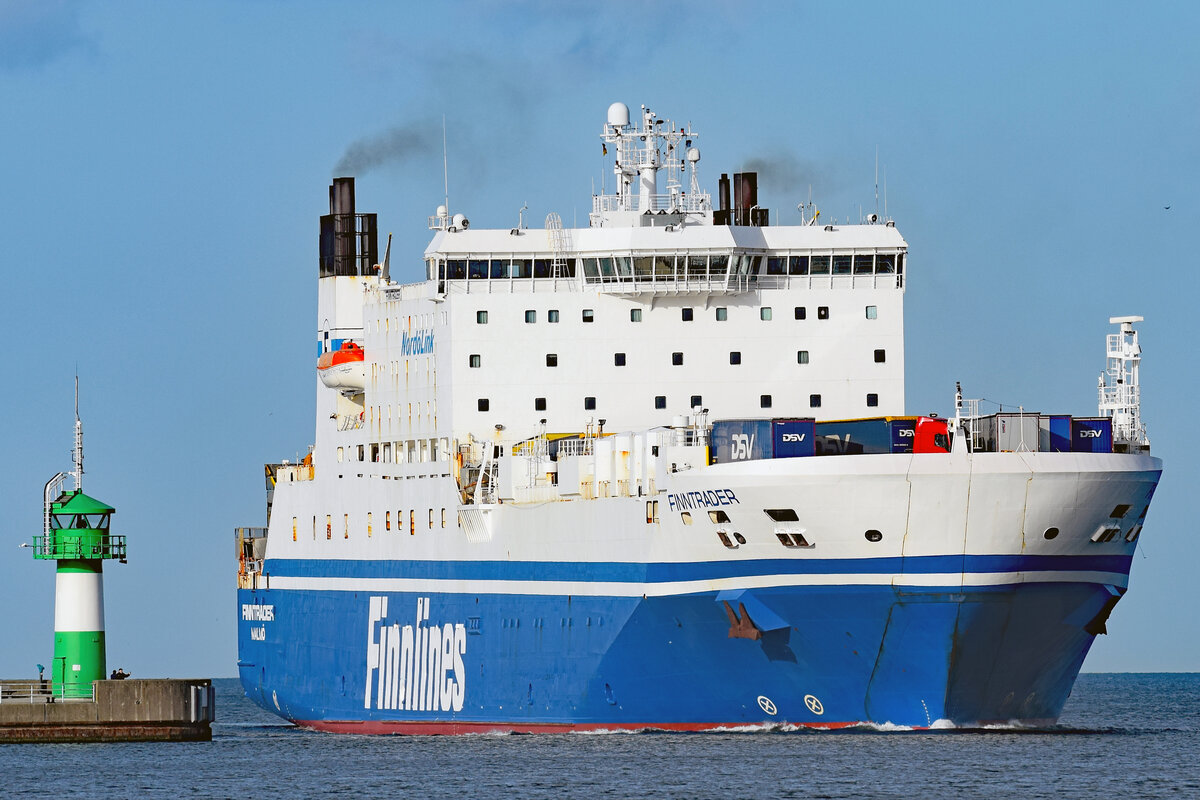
(414, 728)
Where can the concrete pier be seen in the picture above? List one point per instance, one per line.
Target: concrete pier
(176, 710)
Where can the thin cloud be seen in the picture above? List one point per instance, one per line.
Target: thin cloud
(34, 33)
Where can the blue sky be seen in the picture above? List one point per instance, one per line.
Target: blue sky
(163, 166)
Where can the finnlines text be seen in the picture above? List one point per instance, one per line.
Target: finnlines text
(416, 667)
(418, 344)
(712, 498)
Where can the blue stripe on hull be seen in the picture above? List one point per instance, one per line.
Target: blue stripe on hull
(862, 653)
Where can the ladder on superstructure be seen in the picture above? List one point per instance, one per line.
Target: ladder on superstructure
(560, 244)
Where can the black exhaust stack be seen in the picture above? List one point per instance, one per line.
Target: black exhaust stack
(349, 241)
(745, 210)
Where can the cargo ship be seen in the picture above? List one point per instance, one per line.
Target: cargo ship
(657, 473)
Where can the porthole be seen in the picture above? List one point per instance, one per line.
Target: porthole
(1050, 533)
(740, 539)
(873, 535)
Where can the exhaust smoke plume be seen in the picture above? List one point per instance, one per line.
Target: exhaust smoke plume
(394, 145)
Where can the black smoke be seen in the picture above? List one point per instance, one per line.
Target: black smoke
(392, 146)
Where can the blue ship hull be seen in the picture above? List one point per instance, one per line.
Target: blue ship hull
(826, 656)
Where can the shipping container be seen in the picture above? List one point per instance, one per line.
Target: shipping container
(1008, 432)
(793, 438)
(1091, 435)
(1054, 433)
(853, 437)
(740, 440)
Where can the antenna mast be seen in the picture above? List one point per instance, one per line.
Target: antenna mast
(78, 454)
(445, 166)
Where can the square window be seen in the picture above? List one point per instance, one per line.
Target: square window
(872, 312)
(822, 312)
(801, 312)
(539, 404)
(660, 401)
(880, 356)
(552, 315)
(735, 356)
(481, 317)
(551, 359)
(801, 356)
(677, 359)
(635, 315)
(483, 404)
(697, 401)
(814, 401)
(589, 315)
(764, 401)
(764, 313)
(589, 403)
(476, 360)
(618, 359)
(531, 316)
(872, 400)
(687, 314)
(722, 314)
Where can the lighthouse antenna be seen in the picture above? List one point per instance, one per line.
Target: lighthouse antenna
(78, 473)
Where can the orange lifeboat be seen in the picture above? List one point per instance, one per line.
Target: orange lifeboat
(343, 369)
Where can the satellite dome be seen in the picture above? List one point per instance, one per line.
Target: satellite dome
(693, 154)
(618, 115)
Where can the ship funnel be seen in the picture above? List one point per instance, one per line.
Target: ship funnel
(349, 243)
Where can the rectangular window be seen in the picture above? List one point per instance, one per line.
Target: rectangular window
(864, 265)
(801, 356)
(735, 357)
(764, 401)
(872, 400)
(481, 317)
(589, 404)
(476, 360)
(819, 265)
(841, 265)
(822, 312)
(589, 315)
(801, 312)
(443, 517)
(387, 520)
(539, 404)
(635, 315)
(618, 359)
(797, 265)
(782, 514)
(530, 315)
(776, 265)
(677, 359)
(483, 404)
(697, 401)
(885, 265)
(722, 314)
(814, 401)
(880, 356)
(551, 359)
(660, 401)
(552, 315)
(764, 313)
(872, 312)
(686, 313)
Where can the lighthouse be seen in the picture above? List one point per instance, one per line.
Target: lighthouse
(75, 534)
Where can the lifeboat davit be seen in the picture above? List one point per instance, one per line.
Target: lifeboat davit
(343, 369)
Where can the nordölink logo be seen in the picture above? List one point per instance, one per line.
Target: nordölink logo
(419, 343)
(418, 667)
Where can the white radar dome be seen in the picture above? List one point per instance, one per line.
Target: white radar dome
(441, 211)
(618, 115)
(693, 154)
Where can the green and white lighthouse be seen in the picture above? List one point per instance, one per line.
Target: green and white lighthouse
(76, 534)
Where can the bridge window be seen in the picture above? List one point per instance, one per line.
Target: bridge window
(686, 314)
(499, 269)
(885, 265)
(718, 266)
(797, 265)
(456, 269)
(814, 401)
(841, 265)
(618, 359)
(819, 265)
(735, 357)
(476, 360)
(477, 268)
(482, 404)
(864, 265)
(776, 265)
(872, 400)
(660, 401)
(801, 356)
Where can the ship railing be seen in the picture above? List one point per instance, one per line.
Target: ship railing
(86, 545)
(44, 691)
(682, 202)
(576, 447)
(350, 422)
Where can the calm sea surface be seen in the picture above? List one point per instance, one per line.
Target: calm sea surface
(1121, 736)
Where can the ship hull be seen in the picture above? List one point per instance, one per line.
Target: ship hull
(1005, 650)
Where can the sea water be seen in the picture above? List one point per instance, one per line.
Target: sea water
(1120, 736)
